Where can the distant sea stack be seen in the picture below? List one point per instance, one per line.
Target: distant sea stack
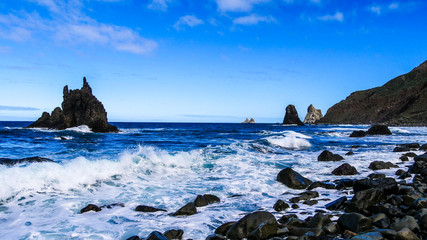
(291, 116)
(313, 115)
(249, 120)
(401, 101)
(80, 107)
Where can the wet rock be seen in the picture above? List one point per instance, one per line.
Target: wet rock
(216, 237)
(260, 224)
(417, 167)
(345, 169)
(421, 158)
(412, 146)
(188, 209)
(304, 196)
(133, 238)
(90, 207)
(294, 206)
(387, 233)
(404, 190)
(11, 162)
(380, 220)
(174, 234)
(80, 107)
(378, 165)
(349, 153)
(318, 221)
(359, 133)
(331, 228)
(205, 200)
(365, 198)
(419, 203)
(388, 185)
(310, 202)
(223, 229)
(325, 185)
(386, 208)
(406, 234)
(280, 205)
(368, 236)
(293, 179)
(156, 236)
(422, 222)
(329, 156)
(379, 130)
(348, 234)
(406, 222)
(285, 218)
(109, 206)
(296, 222)
(345, 183)
(339, 204)
(410, 154)
(313, 115)
(423, 147)
(376, 175)
(399, 172)
(291, 116)
(301, 231)
(354, 222)
(404, 158)
(405, 175)
(143, 208)
(401, 149)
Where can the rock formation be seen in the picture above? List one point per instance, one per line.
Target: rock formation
(291, 116)
(247, 120)
(79, 107)
(313, 115)
(401, 101)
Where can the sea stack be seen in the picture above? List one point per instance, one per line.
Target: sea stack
(291, 116)
(247, 120)
(79, 107)
(313, 115)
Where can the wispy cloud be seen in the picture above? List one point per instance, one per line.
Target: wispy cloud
(238, 5)
(379, 9)
(161, 5)
(253, 19)
(13, 108)
(69, 24)
(338, 16)
(188, 20)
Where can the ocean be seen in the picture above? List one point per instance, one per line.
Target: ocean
(166, 165)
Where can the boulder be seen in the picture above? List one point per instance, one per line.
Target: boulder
(349, 153)
(247, 120)
(328, 156)
(354, 222)
(215, 237)
(260, 225)
(378, 165)
(345, 169)
(421, 158)
(339, 204)
(325, 185)
(318, 221)
(11, 162)
(143, 208)
(376, 175)
(188, 209)
(313, 115)
(291, 116)
(293, 179)
(387, 185)
(280, 205)
(423, 147)
(156, 236)
(420, 203)
(133, 238)
(90, 207)
(79, 107)
(365, 198)
(304, 196)
(223, 229)
(379, 130)
(406, 222)
(359, 133)
(205, 200)
(406, 234)
(173, 234)
(380, 220)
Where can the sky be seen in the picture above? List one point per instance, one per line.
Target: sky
(203, 60)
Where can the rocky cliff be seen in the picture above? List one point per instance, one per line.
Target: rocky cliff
(313, 115)
(401, 101)
(79, 107)
(291, 116)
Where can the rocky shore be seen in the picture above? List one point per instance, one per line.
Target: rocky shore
(378, 206)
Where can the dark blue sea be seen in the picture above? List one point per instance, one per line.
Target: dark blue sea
(166, 165)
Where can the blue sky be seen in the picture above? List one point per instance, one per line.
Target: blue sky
(203, 61)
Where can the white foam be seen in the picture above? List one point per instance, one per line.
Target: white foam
(291, 140)
(63, 138)
(80, 129)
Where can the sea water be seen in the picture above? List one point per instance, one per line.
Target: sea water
(166, 165)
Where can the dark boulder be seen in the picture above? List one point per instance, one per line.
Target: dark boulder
(420, 203)
(359, 133)
(90, 207)
(387, 185)
(401, 149)
(79, 107)
(293, 179)
(304, 196)
(143, 208)
(174, 234)
(261, 225)
(410, 154)
(188, 209)
(325, 185)
(406, 234)
(378, 165)
(280, 205)
(421, 158)
(215, 237)
(379, 130)
(284, 219)
(156, 236)
(412, 146)
(133, 238)
(349, 153)
(291, 116)
(406, 222)
(318, 221)
(316, 232)
(109, 206)
(223, 229)
(344, 183)
(328, 156)
(11, 162)
(345, 169)
(339, 204)
(423, 147)
(380, 220)
(354, 222)
(376, 175)
(205, 200)
(365, 198)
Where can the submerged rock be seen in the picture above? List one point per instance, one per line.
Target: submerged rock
(90, 207)
(313, 115)
(205, 200)
(143, 208)
(293, 179)
(79, 107)
(11, 162)
(188, 209)
(291, 116)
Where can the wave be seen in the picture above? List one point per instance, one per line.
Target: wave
(79, 129)
(290, 140)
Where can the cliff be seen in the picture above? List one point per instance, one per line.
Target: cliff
(401, 101)
(79, 107)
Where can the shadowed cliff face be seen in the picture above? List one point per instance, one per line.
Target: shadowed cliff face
(79, 107)
(291, 116)
(401, 101)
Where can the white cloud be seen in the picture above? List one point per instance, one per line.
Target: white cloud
(188, 20)
(379, 9)
(69, 24)
(375, 9)
(161, 5)
(338, 16)
(253, 19)
(238, 5)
